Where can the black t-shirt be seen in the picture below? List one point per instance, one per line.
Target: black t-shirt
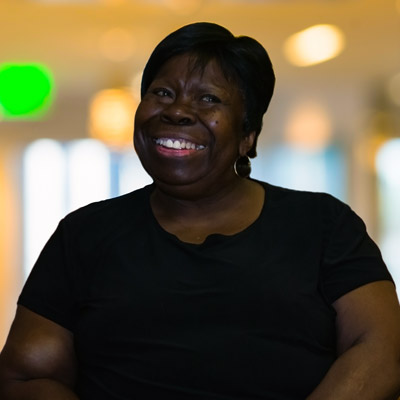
(246, 316)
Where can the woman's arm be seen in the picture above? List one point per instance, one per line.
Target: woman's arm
(38, 360)
(368, 331)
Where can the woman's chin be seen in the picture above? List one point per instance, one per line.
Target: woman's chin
(176, 180)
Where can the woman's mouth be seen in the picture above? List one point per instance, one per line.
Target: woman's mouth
(178, 144)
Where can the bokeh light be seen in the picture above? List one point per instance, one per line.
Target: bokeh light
(314, 45)
(388, 162)
(388, 173)
(25, 90)
(309, 126)
(88, 163)
(44, 195)
(111, 117)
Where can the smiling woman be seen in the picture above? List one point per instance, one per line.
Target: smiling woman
(198, 108)
(206, 284)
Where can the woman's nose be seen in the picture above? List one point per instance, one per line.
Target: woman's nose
(179, 112)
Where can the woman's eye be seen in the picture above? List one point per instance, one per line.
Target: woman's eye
(210, 98)
(162, 92)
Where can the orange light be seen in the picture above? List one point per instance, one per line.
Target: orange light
(111, 117)
(10, 274)
(314, 45)
(309, 126)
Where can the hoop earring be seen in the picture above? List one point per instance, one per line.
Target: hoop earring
(242, 166)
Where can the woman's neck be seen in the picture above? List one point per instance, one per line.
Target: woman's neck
(227, 211)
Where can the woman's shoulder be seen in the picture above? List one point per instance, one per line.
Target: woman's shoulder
(312, 212)
(282, 196)
(317, 208)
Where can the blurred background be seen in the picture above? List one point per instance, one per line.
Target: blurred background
(69, 77)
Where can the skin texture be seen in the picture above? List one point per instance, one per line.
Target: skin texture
(368, 331)
(38, 360)
(197, 193)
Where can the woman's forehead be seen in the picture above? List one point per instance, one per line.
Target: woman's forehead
(193, 65)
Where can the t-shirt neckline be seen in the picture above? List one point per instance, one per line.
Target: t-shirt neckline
(213, 238)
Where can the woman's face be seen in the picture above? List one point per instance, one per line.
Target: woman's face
(189, 125)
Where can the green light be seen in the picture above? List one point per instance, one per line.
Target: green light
(25, 90)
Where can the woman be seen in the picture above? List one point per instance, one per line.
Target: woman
(206, 284)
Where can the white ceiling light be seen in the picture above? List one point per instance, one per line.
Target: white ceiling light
(314, 45)
(388, 162)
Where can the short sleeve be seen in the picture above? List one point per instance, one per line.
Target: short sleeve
(49, 289)
(351, 258)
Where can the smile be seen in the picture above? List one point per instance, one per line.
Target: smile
(178, 144)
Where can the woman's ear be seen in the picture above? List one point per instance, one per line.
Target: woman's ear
(247, 143)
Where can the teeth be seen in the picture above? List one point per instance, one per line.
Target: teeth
(178, 144)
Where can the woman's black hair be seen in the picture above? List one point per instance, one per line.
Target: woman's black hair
(241, 58)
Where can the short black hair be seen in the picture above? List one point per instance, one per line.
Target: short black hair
(241, 59)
